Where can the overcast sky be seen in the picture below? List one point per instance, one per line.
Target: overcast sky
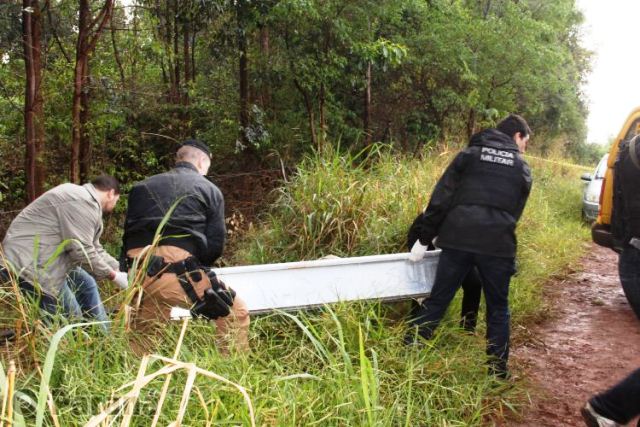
(612, 31)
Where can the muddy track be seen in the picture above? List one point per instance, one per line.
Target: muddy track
(591, 342)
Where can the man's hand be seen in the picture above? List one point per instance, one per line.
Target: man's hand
(121, 279)
(417, 251)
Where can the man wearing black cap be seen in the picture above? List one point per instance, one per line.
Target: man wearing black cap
(192, 237)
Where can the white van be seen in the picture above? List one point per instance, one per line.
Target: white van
(591, 196)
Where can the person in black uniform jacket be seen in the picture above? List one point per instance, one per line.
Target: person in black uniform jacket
(473, 212)
(621, 403)
(179, 274)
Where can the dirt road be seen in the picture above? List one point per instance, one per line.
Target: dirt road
(592, 341)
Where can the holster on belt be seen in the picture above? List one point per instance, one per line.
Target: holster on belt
(216, 301)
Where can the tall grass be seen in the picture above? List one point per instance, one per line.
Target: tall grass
(344, 365)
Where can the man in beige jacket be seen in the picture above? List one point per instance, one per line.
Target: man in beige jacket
(55, 241)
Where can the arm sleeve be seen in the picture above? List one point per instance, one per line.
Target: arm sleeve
(216, 230)
(526, 190)
(80, 225)
(426, 226)
(111, 261)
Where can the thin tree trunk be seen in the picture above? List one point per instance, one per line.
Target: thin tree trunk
(265, 93)
(176, 52)
(85, 45)
(193, 56)
(323, 124)
(78, 76)
(85, 140)
(55, 33)
(471, 122)
(366, 119)
(487, 9)
(34, 103)
(116, 55)
(243, 75)
(187, 61)
(168, 23)
(134, 62)
(309, 106)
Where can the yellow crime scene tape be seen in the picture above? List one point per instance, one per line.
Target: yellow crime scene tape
(571, 165)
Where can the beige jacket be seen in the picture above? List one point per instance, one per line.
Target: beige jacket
(63, 228)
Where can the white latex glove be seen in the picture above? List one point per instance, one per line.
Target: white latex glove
(417, 251)
(121, 280)
(178, 313)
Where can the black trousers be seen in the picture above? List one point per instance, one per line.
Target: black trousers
(621, 403)
(495, 273)
(472, 292)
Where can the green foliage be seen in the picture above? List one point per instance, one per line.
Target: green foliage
(439, 69)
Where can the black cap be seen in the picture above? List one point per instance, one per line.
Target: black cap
(197, 144)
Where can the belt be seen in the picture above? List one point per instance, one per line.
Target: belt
(190, 267)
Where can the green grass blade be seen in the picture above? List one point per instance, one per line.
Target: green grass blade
(48, 368)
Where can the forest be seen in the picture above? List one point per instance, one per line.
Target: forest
(112, 86)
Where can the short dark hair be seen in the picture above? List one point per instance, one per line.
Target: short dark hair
(514, 124)
(106, 183)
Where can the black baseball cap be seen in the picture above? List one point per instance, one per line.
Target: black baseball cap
(197, 144)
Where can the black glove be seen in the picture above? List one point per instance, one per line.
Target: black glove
(225, 292)
(217, 300)
(212, 306)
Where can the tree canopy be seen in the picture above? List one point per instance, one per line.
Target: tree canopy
(115, 84)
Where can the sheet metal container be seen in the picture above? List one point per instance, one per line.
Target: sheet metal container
(307, 284)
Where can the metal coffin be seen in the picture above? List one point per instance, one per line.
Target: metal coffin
(307, 284)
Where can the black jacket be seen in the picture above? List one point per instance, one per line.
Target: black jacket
(196, 224)
(478, 200)
(625, 218)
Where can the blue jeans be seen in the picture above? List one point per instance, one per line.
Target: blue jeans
(78, 298)
(629, 270)
(621, 403)
(495, 274)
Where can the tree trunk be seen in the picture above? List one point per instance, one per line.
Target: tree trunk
(487, 9)
(471, 123)
(33, 102)
(187, 62)
(193, 56)
(85, 140)
(78, 85)
(116, 55)
(309, 106)
(85, 45)
(265, 92)
(165, 18)
(366, 119)
(323, 123)
(176, 52)
(76, 135)
(243, 75)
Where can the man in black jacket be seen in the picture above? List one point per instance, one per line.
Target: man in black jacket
(473, 212)
(621, 403)
(193, 237)
(625, 220)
